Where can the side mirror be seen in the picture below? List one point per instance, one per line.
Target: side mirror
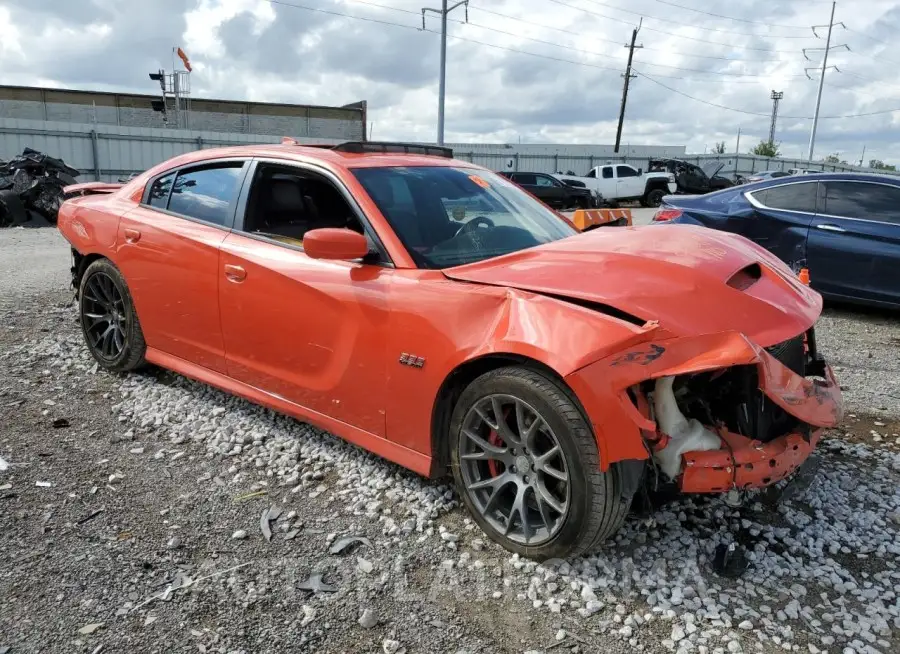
(640, 171)
(335, 244)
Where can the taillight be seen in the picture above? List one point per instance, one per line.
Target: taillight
(664, 215)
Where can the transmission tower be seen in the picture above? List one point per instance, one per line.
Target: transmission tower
(776, 98)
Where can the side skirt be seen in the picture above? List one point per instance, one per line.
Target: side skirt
(415, 461)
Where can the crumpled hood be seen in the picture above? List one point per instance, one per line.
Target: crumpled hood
(693, 280)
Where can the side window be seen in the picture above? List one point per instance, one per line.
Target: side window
(607, 172)
(525, 179)
(159, 192)
(545, 181)
(625, 171)
(863, 200)
(790, 197)
(206, 193)
(286, 202)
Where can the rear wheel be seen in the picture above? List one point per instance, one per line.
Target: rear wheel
(527, 468)
(108, 319)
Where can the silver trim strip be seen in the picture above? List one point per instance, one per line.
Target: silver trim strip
(748, 195)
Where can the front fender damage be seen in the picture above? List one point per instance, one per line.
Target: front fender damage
(615, 392)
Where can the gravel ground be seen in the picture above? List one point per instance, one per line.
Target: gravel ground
(139, 525)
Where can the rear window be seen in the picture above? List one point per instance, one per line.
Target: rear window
(206, 194)
(790, 197)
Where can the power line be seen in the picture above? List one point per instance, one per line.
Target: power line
(594, 37)
(717, 72)
(740, 20)
(871, 38)
(757, 113)
(652, 79)
(694, 25)
(557, 29)
(680, 36)
(588, 52)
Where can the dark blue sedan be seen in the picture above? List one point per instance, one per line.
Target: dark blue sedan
(843, 227)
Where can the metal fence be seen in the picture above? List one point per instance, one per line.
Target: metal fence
(107, 152)
(733, 165)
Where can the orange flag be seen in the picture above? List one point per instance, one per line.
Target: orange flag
(183, 57)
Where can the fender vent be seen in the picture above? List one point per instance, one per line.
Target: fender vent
(745, 277)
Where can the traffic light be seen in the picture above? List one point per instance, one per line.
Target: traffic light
(161, 78)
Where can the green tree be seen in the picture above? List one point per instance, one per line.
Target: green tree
(880, 165)
(766, 149)
(720, 147)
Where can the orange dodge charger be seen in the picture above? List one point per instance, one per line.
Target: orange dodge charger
(432, 312)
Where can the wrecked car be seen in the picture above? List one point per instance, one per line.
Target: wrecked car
(432, 312)
(692, 179)
(31, 188)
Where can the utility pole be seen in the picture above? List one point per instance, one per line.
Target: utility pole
(863, 157)
(442, 12)
(737, 152)
(776, 98)
(826, 49)
(628, 78)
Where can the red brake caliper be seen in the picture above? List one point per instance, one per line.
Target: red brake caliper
(494, 466)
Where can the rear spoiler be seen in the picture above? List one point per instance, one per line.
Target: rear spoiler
(90, 188)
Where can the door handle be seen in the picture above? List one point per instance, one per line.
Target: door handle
(831, 228)
(235, 274)
(132, 235)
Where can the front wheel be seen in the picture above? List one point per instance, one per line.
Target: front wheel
(108, 319)
(526, 465)
(654, 197)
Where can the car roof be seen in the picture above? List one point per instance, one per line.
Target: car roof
(849, 177)
(314, 153)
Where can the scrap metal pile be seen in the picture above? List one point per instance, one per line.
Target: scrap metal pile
(31, 189)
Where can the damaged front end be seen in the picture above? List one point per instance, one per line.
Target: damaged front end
(718, 412)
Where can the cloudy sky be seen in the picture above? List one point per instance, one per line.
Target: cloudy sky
(535, 70)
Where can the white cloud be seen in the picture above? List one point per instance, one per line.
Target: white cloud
(539, 70)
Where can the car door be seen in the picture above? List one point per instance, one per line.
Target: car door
(628, 182)
(854, 245)
(168, 251)
(552, 189)
(310, 331)
(778, 218)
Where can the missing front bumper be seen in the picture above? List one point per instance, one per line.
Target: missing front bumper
(746, 463)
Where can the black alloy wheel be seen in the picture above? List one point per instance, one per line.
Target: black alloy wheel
(108, 319)
(527, 467)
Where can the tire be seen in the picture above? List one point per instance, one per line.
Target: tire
(102, 286)
(654, 197)
(594, 506)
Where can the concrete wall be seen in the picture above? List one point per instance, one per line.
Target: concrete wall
(134, 110)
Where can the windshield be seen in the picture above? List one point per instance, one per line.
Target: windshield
(451, 216)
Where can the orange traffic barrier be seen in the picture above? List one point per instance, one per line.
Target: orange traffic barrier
(587, 218)
(804, 276)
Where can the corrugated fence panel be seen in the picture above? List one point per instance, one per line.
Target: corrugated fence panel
(123, 150)
(120, 150)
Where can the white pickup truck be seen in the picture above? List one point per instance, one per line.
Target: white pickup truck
(621, 182)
